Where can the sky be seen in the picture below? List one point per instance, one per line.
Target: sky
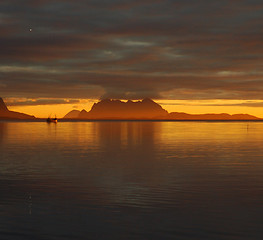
(188, 55)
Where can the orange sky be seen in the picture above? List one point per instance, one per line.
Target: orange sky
(193, 107)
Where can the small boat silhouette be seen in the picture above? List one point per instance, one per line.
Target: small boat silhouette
(50, 120)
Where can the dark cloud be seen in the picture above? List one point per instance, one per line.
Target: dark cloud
(37, 102)
(242, 104)
(167, 49)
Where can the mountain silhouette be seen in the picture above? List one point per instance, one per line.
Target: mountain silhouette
(3, 107)
(6, 114)
(116, 109)
(145, 109)
(210, 116)
(72, 114)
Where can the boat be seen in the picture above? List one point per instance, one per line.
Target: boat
(50, 120)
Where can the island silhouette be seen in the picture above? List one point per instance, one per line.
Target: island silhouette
(112, 109)
(145, 109)
(6, 114)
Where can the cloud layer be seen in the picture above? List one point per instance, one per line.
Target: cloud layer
(131, 49)
(40, 101)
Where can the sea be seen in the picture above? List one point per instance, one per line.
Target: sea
(131, 180)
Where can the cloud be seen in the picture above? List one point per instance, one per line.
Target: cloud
(167, 49)
(206, 103)
(243, 104)
(36, 102)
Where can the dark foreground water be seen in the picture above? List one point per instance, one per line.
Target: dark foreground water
(131, 180)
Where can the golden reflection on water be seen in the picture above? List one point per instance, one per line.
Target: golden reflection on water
(199, 143)
(206, 174)
(83, 133)
(207, 131)
(125, 133)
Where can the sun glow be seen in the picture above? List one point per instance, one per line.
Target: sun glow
(187, 106)
(60, 110)
(253, 107)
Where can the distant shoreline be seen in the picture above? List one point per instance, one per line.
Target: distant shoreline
(132, 120)
(117, 110)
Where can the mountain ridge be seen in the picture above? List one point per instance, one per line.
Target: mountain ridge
(6, 114)
(111, 109)
(145, 109)
(211, 116)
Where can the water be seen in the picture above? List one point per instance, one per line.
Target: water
(131, 180)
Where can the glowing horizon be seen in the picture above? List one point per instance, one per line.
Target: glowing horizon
(187, 106)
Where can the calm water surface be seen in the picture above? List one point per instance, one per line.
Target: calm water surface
(131, 180)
